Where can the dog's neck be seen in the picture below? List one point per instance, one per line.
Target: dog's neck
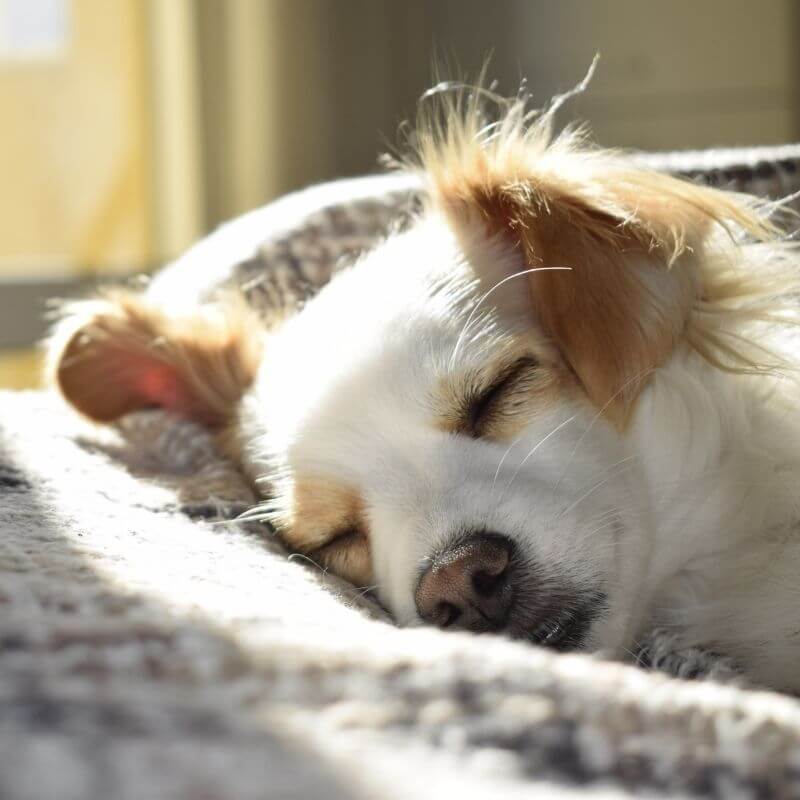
(720, 460)
(721, 463)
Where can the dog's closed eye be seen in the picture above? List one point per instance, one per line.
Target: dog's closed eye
(489, 409)
(347, 554)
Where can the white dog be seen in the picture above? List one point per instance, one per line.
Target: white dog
(554, 407)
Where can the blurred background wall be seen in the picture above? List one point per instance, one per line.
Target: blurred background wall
(131, 127)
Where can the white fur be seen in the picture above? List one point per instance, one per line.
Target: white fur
(720, 463)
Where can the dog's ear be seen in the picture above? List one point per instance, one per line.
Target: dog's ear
(626, 241)
(119, 353)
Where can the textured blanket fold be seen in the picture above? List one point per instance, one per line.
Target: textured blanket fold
(152, 647)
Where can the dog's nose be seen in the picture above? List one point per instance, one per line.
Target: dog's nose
(468, 587)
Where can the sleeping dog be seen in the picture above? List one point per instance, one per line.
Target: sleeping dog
(559, 405)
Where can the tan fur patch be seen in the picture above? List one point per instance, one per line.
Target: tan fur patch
(349, 557)
(497, 400)
(616, 315)
(325, 519)
(316, 509)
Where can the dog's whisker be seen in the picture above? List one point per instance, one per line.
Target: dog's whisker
(304, 557)
(620, 468)
(485, 296)
(612, 515)
(266, 517)
(590, 533)
(364, 591)
(640, 376)
(502, 460)
(606, 469)
(532, 452)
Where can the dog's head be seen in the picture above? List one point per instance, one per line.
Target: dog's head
(447, 421)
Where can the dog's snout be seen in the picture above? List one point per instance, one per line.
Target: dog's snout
(468, 587)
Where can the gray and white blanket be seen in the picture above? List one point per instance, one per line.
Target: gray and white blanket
(153, 647)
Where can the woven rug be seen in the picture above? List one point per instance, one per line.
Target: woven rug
(152, 647)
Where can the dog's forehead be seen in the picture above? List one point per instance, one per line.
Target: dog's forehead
(405, 301)
(366, 354)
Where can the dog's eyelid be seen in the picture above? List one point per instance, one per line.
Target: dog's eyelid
(482, 404)
(343, 537)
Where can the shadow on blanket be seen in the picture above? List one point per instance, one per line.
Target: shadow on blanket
(104, 692)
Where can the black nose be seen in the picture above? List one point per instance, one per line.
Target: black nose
(468, 587)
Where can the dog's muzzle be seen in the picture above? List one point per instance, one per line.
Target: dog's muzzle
(478, 585)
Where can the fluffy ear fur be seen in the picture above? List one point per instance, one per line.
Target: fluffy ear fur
(120, 353)
(622, 302)
(640, 247)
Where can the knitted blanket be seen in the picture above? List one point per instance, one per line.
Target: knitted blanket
(153, 647)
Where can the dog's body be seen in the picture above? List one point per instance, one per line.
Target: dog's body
(548, 408)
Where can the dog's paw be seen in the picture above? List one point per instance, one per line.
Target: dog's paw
(662, 651)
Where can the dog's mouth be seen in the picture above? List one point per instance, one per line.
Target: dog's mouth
(564, 629)
(567, 631)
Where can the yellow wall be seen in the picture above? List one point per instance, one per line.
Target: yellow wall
(20, 369)
(74, 148)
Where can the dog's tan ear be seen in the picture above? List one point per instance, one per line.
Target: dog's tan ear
(120, 353)
(622, 300)
(629, 244)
